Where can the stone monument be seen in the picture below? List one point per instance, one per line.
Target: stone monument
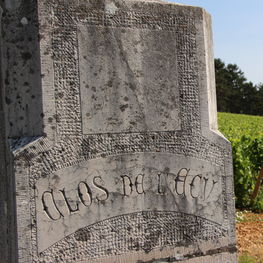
(109, 144)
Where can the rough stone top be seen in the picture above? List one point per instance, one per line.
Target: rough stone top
(14, 4)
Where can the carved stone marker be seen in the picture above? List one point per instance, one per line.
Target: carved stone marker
(110, 114)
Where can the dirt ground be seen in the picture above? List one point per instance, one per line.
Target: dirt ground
(250, 234)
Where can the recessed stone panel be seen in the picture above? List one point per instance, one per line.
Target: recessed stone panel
(128, 79)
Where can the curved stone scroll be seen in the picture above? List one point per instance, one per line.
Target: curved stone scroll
(140, 231)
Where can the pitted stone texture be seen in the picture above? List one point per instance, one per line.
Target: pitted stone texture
(122, 161)
(133, 232)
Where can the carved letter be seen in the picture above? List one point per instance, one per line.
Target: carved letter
(50, 206)
(139, 184)
(71, 210)
(161, 190)
(127, 185)
(212, 188)
(85, 194)
(183, 173)
(101, 187)
(193, 183)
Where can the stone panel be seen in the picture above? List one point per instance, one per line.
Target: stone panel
(121, 72)
(119, 187)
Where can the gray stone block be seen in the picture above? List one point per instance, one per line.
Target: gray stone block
(110, 148)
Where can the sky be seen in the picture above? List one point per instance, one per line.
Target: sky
(237, 33)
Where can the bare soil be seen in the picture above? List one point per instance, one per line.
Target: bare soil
(250, 235)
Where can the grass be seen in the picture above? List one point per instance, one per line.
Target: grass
(233, 126)
(245, 258)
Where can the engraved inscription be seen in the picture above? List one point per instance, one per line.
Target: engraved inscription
(99, 189)
(179, 184)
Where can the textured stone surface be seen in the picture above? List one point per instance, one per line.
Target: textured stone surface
(121, 72)
(110, 116)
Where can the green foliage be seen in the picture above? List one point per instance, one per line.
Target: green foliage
(246, 136)
(245, 258)
(234, 93)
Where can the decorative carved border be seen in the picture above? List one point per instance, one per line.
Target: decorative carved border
(130, 233)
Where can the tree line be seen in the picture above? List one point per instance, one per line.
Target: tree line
(235, 93)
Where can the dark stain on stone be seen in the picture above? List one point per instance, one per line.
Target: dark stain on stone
(56, 117)
(31, 155)
(132, 87)
(124, 107)
(110, 83)
(126, 98)
(42, 115)
(56, 178)
(135, 245)
(7, 101)
(26, 55)
(93, 89)
(40, 36)
(167, 170)
(109, 251)
(50, 119)
(82, 236)
(20, 39)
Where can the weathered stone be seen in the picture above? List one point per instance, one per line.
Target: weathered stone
(110, 114)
